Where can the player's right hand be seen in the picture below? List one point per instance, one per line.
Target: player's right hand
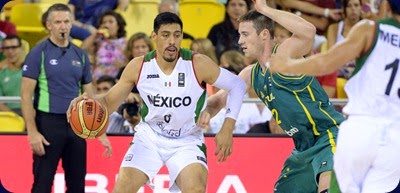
(204, 119)
(72, 105)
(36, 141)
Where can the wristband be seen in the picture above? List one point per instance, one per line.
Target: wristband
(326, 12)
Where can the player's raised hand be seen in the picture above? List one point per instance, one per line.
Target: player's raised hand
(72, 105)
(260, 5)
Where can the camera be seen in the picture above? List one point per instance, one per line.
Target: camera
(131, 108)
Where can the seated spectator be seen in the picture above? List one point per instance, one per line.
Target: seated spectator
(108, 45)
(11, 75)
(138, 45)
(204, 46)
(87, 14)
(173, 7)
(224, 35)
(375, 9)
(338, 31)
(6, 28)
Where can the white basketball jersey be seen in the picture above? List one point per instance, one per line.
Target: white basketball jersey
(172, 103)
(374, 88)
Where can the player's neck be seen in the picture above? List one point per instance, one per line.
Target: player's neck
(166, 67)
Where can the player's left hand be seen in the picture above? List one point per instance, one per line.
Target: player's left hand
(106, 143)
(224, 140)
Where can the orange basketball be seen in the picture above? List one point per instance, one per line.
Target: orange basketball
(89, 119)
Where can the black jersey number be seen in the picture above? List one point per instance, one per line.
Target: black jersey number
(394, 66)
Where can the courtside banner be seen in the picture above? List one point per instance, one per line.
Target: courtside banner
(253, 167)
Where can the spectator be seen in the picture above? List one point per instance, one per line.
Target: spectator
(11, 75)
(87, 14)
(55, 71)
(108, 45)
(173, 7)
(338, 31)
(204, 46)
(224, 35)
(6, 28)
(138, 45)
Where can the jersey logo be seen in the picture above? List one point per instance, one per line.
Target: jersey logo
(181, 80)
(150, 76)
(76, 63)
(292, 131)
(53, 62)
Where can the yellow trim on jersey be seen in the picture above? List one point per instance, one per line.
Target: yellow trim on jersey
(307, 114)
(326, 113)
(331, 141)
(311, 93)
(273, 80)
(290, 77)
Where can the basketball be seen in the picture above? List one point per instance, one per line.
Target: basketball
(89, 119)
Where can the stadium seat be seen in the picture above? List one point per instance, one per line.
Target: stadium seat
(340, 93)
(27, 17)
(139, 16)
(11, 122)
(54, 1)
(199, 16)
(6, 12)
(186, 43)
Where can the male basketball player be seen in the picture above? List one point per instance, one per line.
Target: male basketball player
(172, 82)
(299, 104)
(367, 155)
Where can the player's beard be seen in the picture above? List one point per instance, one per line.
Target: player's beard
(171, 58)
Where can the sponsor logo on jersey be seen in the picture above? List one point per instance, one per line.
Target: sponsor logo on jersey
(150, 76)
(53, 62)
(323, 164)
(181, 80)
(25, 67)
(202, 159)
(128, 157)
(169, 102)
(76, 63)
(292, 131)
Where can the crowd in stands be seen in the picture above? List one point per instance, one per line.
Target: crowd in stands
(105, 31)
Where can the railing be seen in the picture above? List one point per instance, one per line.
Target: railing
(17, 99)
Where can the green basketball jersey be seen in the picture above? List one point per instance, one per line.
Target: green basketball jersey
(299, 105)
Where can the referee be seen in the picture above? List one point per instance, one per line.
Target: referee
(54, 73)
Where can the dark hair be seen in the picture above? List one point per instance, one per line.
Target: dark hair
(260, 21)
(106, 78)
(395, 6)
(133, 38)
(166, 18)
(13, 36)
(344, 6)
(55, 7)
(120, 22)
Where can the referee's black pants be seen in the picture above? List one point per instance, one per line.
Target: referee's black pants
(65, 145)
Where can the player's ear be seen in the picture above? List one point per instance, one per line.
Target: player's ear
(153, 35)
(265, 35)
